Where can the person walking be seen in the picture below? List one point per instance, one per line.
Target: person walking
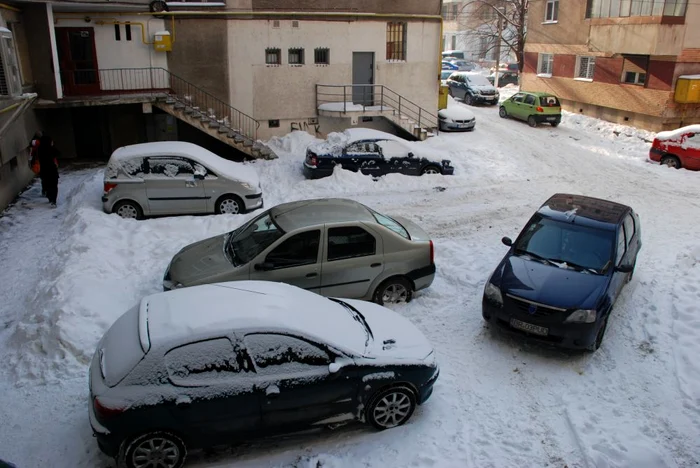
(48, 156)
(34, 159)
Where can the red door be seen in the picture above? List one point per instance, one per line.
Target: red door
(78, 61)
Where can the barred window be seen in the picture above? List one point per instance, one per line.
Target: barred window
(273, 56)
(296, 56)
(585, 67)
(322, 56)
(396, 41)
(544, 65)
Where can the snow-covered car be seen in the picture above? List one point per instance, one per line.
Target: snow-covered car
(560, 279)
(677, 148)
(333, 246)
(444, 75)
(176, 177)
(370, 152)
(472, 88)
(212, 364)
(456, 118)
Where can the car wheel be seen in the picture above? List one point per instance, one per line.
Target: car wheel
(502, 112)
(531, 121)
(431, 170)
(229, 204)
(161, 449)
(555, 124)
(599, 337)
(469, 99)
(128, 209)
(391, 407)
(394, 291)
(671, 161)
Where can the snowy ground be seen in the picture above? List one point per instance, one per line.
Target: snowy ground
(68, 273)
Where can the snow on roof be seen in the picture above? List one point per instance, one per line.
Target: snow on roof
(219, 165)
(677, 133)
(296, 215)
(357, 134)
(690, 77)
(238, 305)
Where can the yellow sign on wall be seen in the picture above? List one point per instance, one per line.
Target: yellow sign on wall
(442, 97)
(688, 90)
(162, 42)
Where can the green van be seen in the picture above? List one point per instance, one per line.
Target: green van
(534, 108)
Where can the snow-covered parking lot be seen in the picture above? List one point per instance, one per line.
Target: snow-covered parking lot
(68, 273)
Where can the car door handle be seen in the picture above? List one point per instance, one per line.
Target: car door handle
(311, 275)
(375, 265)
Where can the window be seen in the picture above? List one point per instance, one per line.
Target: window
(620, 246)
(518, 98)
(296, 56)
(276, 23)
(273, 56)
(390, 223)
(362, 148)
(350, 242)
(170, 167)
(392, 149)
(544, 64)
(322, 56)
(298, 250)
(551, 13)
(549, 101)
(248, 241)
(275, 353)
(396, 41)
(127, 30)
(273, 123)
(529, 99)
(295, 24)
(585, 67)
(203, 362)
(629, 228)
(634, 69)
(626, 8)
(117, 32)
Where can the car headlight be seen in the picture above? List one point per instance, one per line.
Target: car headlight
(493, 293)
(582, 316)
(247, 186)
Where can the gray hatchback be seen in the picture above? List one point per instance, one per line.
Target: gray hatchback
(335, 247)
(175, 177)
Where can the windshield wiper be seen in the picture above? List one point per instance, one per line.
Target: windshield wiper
(533, 255)
(575, 265)
(357, 315)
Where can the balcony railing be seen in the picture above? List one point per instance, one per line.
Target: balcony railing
(155, 82)
(371, 98)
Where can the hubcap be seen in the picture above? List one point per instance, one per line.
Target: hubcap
(229, 206)
(431, 170)
(670, 162)
(127, 211)
(395, 294)
(392, 410)
(157, 453)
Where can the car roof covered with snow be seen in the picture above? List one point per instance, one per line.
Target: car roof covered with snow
(456, 112)
(300, 214)
(677, 133)
(579, 209)
(218, 309)
(217, 164)
(360, 134)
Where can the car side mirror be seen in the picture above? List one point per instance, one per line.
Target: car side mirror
(624, 269)
(264, 266)
(507, 241)
(334, 367)
(199, 176)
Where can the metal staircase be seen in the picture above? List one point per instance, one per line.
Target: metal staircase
(376, 100)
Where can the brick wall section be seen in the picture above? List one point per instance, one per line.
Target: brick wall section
(530, 62)
(607, 70)
(689, 55)
(564, 66)
(660, 75)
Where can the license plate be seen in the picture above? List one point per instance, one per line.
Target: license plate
(528, 327)
(461, 125)
(490, 98)
(551, 118)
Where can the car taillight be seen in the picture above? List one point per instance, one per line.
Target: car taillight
(108, 187)
(539, 109)
(432, 253)
(312, 159)
(104, 412)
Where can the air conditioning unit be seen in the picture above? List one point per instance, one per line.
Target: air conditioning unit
(10, 78)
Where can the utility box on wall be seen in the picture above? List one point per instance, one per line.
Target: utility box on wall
(442, 97)
(162, 42)
(688, 89)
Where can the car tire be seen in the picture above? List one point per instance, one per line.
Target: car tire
(599, 337)
(229, 204)
(128, 209)
(532, 121)
(555, 124)
(430, 170)
(502, 112)
(159, 443)
(391, 407)
(469, 99)
(397, 289)
(671, 161)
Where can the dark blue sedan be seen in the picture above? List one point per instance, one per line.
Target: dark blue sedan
(370, 152)
(560, 279)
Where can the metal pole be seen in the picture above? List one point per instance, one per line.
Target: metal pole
(498, 47)
(345, 101)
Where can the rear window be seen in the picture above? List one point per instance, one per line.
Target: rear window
(549, 101)
(121, 348)
(126, 168)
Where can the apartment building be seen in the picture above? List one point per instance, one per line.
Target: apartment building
(619, 60)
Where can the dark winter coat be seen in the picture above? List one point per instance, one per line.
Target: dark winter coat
(47, 155)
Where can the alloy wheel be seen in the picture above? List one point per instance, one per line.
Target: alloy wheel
(431, 170)
(157, 452)
(128, 211)
(392, 410)
(395, 294)
(229, 206)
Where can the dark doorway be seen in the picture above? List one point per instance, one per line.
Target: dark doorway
(363, 78)
(78, 61)
(91, 130)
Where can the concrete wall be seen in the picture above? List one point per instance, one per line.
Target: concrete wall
(647, 39)
(418, 7)
(288, 93)
(570, 29)
(35, 19)
(200, 54)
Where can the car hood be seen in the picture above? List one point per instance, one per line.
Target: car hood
(548, 284)
(483, 87)
(415, 231)
(456, 113)
(200, 260)
(395, 337)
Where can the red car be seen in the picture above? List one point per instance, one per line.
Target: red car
(678, 148)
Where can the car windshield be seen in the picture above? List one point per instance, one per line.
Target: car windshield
(357, 315)
(246, 242)
(549, 101)
(567, 245)
(390, 223)
(478, 80)
(445, 75)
